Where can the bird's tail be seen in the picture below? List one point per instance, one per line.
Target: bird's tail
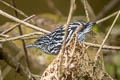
(31, 45)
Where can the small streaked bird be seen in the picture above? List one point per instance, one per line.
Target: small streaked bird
(51, 43)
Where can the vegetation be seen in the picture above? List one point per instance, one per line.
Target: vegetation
(98, 58)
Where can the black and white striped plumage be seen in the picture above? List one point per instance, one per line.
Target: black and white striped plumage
(52, 42)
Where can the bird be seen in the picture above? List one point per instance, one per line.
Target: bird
(52, 42)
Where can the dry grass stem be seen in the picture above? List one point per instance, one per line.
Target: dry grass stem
(22, 22)
(20, 37)
(21, 33)
(72, 8)
(4, 36)
(104, 46)
(86, 10)
(107, 35)
(1, 77)
(19, 11)
(11, 28)
(106, 18)
(26, 37)
(89, 9)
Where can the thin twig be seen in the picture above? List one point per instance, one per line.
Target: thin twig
(72, 8)
(104, 46)
(90, 10)
(11, 28)
(19, 11)
(4, 36)
(20, 37)
(22, 22)
(1, 77)
(39, 33)
(29, 38)
(21, 33)
(86, 10)
(107, 35)
(106, 18)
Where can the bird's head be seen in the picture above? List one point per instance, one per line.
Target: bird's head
(87, 26)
